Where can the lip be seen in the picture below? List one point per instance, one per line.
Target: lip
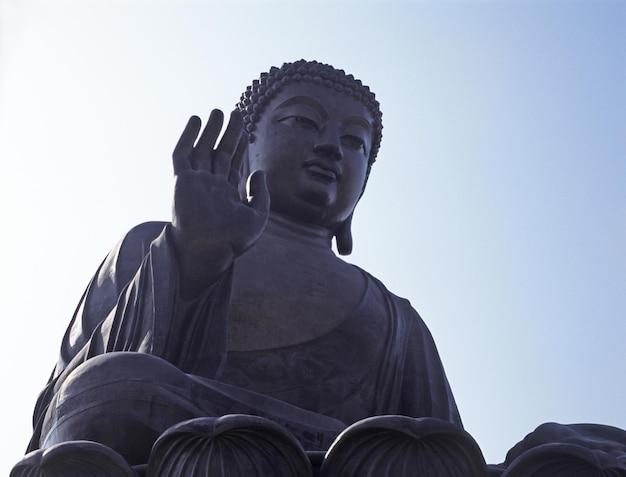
(323, 170)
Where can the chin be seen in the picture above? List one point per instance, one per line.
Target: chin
(318, 193)
(314, 204)
(307, 212)
(317, 198)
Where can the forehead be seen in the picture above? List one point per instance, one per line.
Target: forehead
(334, 104)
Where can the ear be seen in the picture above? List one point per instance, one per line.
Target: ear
(343, 237)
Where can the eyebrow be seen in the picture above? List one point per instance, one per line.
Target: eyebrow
(359, 121)
(307, 102)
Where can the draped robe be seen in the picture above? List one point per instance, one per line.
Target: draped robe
(381, 359)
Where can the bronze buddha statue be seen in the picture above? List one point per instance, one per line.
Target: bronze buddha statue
(239, 305)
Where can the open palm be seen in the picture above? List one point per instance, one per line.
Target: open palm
(212, 224)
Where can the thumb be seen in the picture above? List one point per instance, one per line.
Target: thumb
(257, 192)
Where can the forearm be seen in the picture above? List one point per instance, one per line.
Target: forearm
(200, 263)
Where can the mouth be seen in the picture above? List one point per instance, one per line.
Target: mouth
(324, 172)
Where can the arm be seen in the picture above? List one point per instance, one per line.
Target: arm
(425, 384)
(175, 305)
(113, 275)
(155, 290)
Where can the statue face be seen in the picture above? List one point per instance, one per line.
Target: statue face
(314, 143)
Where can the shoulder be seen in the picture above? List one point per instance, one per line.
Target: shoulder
(396, 311)
(126, 256)
(378, 289)
(137, 240)
(406, 318)
(146, 231)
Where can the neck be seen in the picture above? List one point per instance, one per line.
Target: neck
(283, 227)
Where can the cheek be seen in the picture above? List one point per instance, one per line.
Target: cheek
(261, 153)
(357, 174)
(273, 148)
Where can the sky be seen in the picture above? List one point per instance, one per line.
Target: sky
(497, 205)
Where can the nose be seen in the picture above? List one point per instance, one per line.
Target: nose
(328, 143)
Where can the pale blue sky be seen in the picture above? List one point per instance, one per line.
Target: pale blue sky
(497, 205)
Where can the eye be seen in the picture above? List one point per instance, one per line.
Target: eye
(299, 122)
(353, 142)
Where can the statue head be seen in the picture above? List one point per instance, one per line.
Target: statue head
(316, 132)
(260, 92)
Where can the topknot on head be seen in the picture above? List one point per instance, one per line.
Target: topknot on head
(258, 94)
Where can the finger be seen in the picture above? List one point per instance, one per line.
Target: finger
(258, 194)
(181, 157)
(203, 152)
(230, 140)
(228, 144)
(234, 176)
(211, 130)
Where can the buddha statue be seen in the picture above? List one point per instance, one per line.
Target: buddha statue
(232, 341)
(239, 306)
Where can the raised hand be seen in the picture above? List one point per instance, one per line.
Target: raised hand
(212, 225)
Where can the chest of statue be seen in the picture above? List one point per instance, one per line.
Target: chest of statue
(286, 293)
(330, 360)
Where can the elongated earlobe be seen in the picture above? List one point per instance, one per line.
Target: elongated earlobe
(343, 237)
